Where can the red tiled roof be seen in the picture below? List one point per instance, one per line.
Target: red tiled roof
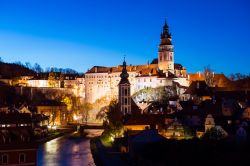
(220, 80)
(138, 68)
(198, 88)
(143, 70)
(15, 118)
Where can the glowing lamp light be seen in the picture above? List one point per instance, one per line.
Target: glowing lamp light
(75, 117)
(54, 127)
(112, 138)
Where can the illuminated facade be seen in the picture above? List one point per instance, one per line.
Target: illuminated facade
(166, 51)
(103, 81)
(70, 82)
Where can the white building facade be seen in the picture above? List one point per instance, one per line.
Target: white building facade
(103, 81)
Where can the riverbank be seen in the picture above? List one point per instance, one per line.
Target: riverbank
(54, 135)
(94, 152)
(105, 156)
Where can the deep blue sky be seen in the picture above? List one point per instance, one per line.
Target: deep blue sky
(84, 33)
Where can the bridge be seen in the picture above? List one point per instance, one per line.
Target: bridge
(92, 126)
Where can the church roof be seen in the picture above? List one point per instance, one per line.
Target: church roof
(124, 74)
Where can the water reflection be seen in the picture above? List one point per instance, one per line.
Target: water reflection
(66, 151)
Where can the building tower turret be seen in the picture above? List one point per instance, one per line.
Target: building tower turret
(166, 52)
(124, 91)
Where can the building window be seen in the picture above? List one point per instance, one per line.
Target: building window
(22, 158)
(126, 92)
(125, 110)
(4, 159)
(126, 101)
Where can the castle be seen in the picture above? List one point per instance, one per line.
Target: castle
(103, 81)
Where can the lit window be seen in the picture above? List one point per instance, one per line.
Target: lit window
(22, 158)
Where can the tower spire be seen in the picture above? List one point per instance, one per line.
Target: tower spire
(124, 75)
(165, 33)
(165, 27)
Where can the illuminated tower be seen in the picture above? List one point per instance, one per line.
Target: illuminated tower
(166, 52)
(124, 91)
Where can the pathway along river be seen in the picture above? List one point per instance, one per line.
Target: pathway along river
(67, 151)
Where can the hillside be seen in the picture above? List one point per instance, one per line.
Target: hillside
(10, 70)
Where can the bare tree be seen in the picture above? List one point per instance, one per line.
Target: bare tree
(37, 68)
(209, 75)
(28, 65)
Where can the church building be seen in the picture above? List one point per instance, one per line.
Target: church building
(124, 100)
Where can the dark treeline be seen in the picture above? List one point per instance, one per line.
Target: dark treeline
(238, 76)
(38, 69)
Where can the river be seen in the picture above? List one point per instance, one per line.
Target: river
(67, 151)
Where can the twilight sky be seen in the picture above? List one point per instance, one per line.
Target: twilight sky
(82, 33)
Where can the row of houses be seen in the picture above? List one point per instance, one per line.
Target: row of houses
(19, 128)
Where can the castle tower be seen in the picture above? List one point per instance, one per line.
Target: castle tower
(166, 52)
(124, 92)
